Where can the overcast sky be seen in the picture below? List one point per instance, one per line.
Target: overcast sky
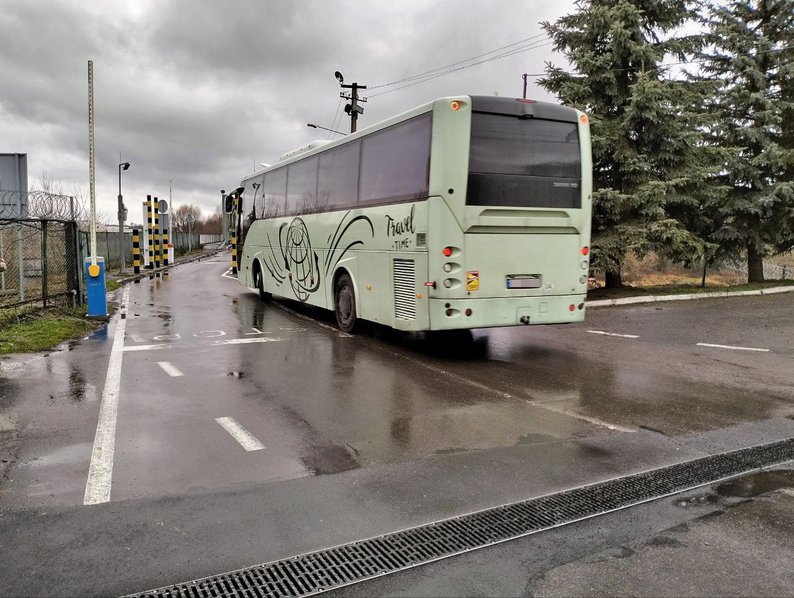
(199, 92)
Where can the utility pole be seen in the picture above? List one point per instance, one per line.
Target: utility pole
(524, 76)
(122, 215)
(353, 109)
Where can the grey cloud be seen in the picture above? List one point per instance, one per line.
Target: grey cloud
(199, 92)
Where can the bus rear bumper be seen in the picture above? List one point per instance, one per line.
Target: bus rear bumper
(449, 314)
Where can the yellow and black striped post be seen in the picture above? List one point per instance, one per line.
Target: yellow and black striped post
(234, 233)
(150, 232)
(157, 247)
(136, 251)
(165, 246)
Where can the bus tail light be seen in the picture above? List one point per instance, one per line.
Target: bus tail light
(572, 307)
(431, 284)
(468, 311)
(455, 105)
(447, 251)
(585, 250)
(581, 306)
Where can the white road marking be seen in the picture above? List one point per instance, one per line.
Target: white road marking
(321, 324)
(169, 369)
(167, 337)
(613, 334)
(147, 347)
(247, 440)
(209, 333)
(230, 341)
(733, 347)
(245, 341)
(507, 395)
(137, 338)
(590, 420)
(255, 331)
(228, 274)
(100, 471)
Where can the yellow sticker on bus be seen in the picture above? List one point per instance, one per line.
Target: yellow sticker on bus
(473, 280)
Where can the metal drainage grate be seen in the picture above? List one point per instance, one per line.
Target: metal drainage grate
(323, 570)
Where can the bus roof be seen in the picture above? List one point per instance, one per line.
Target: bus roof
(494, 104)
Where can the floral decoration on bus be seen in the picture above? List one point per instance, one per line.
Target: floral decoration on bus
(299, 262)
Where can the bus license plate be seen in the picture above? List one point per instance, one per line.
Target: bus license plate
(523, 281)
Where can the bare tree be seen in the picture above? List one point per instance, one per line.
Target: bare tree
(180, 217)
(211, 225)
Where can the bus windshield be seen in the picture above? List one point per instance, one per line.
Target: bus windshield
(526, 162)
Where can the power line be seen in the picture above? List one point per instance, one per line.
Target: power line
(336, 116)
(456, 63)
(436, 75)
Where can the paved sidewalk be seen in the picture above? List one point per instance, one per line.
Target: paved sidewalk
(686, 297)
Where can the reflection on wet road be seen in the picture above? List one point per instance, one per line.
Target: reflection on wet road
(199, 349)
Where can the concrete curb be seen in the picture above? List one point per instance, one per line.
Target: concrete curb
(662, 298)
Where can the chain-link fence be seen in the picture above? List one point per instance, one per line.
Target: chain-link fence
(771, 271)
(39, 261)
(40, 254)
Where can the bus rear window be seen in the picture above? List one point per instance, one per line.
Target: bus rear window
(525, 162)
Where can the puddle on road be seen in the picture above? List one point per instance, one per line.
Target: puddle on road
(76, 453)
(325, 460)
(757, 484)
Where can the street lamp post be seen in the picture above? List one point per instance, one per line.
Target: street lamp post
(353, 109)
(313, 126)
(122, 217)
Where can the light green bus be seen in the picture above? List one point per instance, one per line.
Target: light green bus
(466, 212)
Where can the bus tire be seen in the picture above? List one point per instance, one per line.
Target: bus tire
(260, 285)
(345, 303)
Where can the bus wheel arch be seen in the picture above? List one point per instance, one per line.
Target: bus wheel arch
(345, 300)
(259, 280)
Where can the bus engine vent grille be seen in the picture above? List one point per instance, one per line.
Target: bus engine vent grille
(404, 289)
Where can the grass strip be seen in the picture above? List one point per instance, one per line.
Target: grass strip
(42, 330)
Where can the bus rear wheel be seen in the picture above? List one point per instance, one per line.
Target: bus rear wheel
(345, 303)
(260, 286)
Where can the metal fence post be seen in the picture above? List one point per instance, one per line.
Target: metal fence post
(44, 262)
(2, 274)
(21, 247)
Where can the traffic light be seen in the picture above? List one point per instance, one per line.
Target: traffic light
(229, 205)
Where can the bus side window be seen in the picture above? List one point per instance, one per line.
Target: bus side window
(275, 193)
(337, 178)
(302, 187)
(394, 162)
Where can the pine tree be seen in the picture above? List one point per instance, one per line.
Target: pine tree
(750, 53)
(651, 171)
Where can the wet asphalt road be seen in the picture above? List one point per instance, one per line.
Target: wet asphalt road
(362, 434)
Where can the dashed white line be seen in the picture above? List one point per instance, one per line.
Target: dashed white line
(604, 333)
(147, 347)
(245, 341)
(733, 347)
(247, 440)
(100, 471)
(170, 369)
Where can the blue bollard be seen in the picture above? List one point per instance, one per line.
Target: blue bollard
(95, 288)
